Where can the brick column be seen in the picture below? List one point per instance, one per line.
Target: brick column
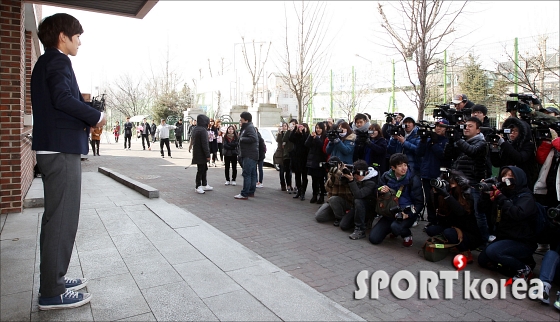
(16, 158)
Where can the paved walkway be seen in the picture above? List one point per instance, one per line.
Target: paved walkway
(271, 230)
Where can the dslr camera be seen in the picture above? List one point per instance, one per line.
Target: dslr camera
(98, 103)
(348, 169)
(397, 212)
(554, 213)
(487, 184)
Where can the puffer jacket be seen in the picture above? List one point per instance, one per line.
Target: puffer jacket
(316, 155)
(376, 149)
(342, 148)
(298, 155)
(518, 211)
(199, 140)
(362, 137)
(262, 147)
(248, 142)
(520, 152)
(433, 157)
(409, 148)
(412, 188)
(469, 157)
(230, 145)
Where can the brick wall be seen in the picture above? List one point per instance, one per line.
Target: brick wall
(16, 61)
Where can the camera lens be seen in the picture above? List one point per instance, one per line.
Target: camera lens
(553, 213)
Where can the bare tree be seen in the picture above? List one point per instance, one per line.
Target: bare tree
(532, 70)
(255, 67)
(351, 104)
(128, 96)
(418, 36)
(306, 60)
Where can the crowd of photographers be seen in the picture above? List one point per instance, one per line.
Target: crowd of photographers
(387, 178)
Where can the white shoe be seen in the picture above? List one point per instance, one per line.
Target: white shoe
(260, 185)
(227, 183)
(416, 222)
(491, 238)
(199, 189)
(233, 183)
(207, 188)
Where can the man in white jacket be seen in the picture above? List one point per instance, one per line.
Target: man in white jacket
(162, 132)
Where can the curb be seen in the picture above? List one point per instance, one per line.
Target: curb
(137, 186)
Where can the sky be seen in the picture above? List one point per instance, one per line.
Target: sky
(193, 32)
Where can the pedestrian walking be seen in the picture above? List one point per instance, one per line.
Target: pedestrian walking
(162, 132)
(127, 132)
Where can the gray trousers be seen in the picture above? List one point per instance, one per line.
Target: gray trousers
(335, 209)
(62, 184)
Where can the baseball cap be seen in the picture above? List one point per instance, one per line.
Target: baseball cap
(553, 110)
(442, 122)
(459, 98)
(408, 119)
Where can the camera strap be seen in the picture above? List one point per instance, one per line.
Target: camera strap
(399, 192)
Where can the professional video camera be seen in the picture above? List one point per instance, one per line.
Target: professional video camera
(543, 126)
(396, 130)
(389, 116)
(397, 212)
(425, 129)
(448, 112)
(333, 134)
(493, 138)
(98, 103)
(453, 132)
(362, 136)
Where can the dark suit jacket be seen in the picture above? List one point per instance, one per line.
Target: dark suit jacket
(61, 118)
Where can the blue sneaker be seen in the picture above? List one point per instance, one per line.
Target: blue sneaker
(74, 284)
(69, 299)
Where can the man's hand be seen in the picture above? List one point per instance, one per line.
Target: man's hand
(384, 189)
(553, 134)
(401, 139)
(103, 121)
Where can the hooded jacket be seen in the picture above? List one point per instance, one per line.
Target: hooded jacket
(248, 142)
(199, 140)
(520, 152)
(518, 211)
(409, 147)
(412, 188)
(342, 148)
(366, 188)
(469, 157)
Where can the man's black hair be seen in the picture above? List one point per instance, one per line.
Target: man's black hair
(246, 116)
(401, 114)
(479, 108)
(361, 116)
(293, 120)
(398, 158)
(360, 165)
(475, 120)
(50, 28)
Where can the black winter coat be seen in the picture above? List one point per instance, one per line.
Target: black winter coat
(179, 129)
(230, 147)
(469, 157)
(199, 140)
(518, 213)
(521, 152)
(262, 147)
(248, 142)
(298, 155)
(316, 154)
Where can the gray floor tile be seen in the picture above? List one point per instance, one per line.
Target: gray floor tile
(82, 313)
(134, 245)
(18, 248)
(90, 222)
(151, 271)
(21, 225)
(159, 231)
(116, 297)
(15, 307)
(102, 263)
(110, 213)
(206, 279)
(239, 306)
(88, 240)
(120, 226)
(15, 276)
(173, 215)
(177, 302)
(176, 250)
(140, 318)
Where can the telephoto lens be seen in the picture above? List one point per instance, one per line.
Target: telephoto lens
(438, 183)
(553, 213)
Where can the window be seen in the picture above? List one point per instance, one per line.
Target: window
(285, 94)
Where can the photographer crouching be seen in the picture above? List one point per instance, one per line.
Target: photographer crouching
(400, 178)
(516, 216)
(455, 218)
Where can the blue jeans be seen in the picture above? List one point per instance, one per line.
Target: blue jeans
(550, 267)
(481, 221)
(386, 225)
(261, 173)
(249, 174)
(506, 252)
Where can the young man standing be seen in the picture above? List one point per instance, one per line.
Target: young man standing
(179, 134)
(127, 132)
(145, 134)
(248, 156)
(162, 132)
(56, 101)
